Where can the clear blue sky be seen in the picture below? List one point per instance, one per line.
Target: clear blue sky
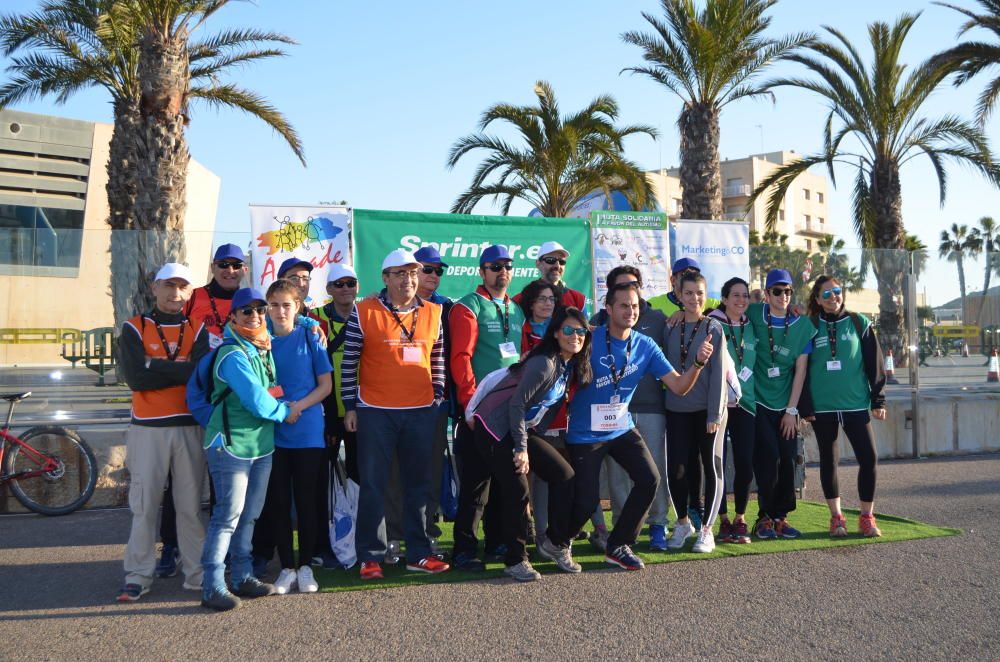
(380, 91)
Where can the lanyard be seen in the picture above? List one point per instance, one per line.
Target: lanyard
(217, 320)
(264, 355)
(831, 334)
(506, 316)
(685, 348)
(413, 324)
(163, 339)
(770, 332)
(616, 377)
(738, 346)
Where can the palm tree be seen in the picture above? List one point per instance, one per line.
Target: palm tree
(564, 159)
(973, 57)
(918, 253)
(70, 45)
(987, 233)
(878, 106)
(957, 245)
(708, 58)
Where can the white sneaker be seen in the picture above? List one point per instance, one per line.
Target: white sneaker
(681, 533)
(285, 581)
(307, 583)
(705, 543)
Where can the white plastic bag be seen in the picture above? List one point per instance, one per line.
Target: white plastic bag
(343, 516)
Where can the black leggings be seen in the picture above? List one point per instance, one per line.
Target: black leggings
(478, 499)
(549, 465)
(294, 473)
(741, 429)
(858, 428)
(686, 436)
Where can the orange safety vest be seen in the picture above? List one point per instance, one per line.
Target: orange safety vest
(164, 402)
(203, 308)
(395, 373)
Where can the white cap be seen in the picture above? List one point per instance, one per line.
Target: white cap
(340, 270)
(174, 270)
(398, 258)
(551, 247)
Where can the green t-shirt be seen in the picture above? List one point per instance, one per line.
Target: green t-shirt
(846, 388)
(741, 341)
(773, 389)
(490, 316)
(668, 303)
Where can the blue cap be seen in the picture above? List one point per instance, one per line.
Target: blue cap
(494, 253)
(685, 263)
(229, 251)
(778, 277)
(246, 296)
(430, 255)
(290, 264)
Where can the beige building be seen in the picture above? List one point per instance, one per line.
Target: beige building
(54, 238)
(803, 214)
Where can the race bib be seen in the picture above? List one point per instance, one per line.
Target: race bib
(745, 374)
(608, 418)
(774, 372)
(412, 354)
(833, 365)
(508, 350)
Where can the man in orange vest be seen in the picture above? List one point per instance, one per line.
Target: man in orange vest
(392, 385)
(159, 351)
(209, 305)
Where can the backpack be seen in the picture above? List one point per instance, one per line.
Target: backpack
(483, 389)
(200, 387)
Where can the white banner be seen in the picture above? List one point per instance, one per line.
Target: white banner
(635, 238)
(722, 248)
(319, 235)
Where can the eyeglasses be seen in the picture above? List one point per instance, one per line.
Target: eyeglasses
(235, 266)
(781, 291)
(250, 310)
(301, 278)
(554, 260)
(433, 270)
(570, 330)
(545, 299)
(830, 292)
(403, 274)
(498, 267)
(347, 282)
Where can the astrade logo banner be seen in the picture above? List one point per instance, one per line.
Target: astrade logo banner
(461, 238)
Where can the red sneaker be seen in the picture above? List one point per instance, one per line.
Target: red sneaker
(371, 570)
(725, 531)
(867, 526)
(741, 533)
(838, 526)
(429, 564)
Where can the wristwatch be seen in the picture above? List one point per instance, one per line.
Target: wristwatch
(792, 410)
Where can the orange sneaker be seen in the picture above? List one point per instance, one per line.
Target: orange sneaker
(371, 570)
(838, 526)
(429, 564)
(867, 526)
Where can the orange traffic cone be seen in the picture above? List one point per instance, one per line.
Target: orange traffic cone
(890, 369)
(965, 350)
(993, 372)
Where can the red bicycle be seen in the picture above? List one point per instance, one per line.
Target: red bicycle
(50, 470)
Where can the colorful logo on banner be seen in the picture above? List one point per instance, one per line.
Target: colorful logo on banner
(634, 238)
(722, 248)
(461, 239)
(318, 235)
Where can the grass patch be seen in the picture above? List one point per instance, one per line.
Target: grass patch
(810, 518)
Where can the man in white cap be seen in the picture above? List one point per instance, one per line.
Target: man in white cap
(159, 351)
(551, 263)
(392, 386)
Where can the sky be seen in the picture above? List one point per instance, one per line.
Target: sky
(379, 91)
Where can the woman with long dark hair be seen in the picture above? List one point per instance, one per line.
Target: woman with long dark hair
(509, 421)
(846, 379)
(539, 300)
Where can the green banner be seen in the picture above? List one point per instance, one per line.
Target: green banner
(461, 238)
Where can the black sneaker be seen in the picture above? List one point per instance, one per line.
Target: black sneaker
(167, 565)
(498, 553)
(623, 557)
(251, 587)
(221, 601)
(467, 562)
(131, 592)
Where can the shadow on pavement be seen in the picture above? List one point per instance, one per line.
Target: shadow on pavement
(83, 528)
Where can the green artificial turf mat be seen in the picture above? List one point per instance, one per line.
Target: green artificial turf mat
(811, 518)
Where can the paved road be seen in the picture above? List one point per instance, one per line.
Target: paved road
(928, 599)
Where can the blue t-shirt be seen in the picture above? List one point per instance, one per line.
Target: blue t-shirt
(298, 364)
(550, 398)
(645, 357)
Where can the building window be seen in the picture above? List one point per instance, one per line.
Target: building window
(781, 214)
(805, 193)
(37, 237)
(819, 197)
(819, 220)
(809, 244)
(808, 218)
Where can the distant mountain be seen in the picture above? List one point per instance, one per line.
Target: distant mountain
(957, 301)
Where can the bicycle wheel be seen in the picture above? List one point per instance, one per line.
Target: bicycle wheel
(62, 490)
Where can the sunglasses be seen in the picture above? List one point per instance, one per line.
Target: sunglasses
(433, 270)
(554, 260)
(250, 310)
(781, 291)
(235, 266)
(347, 282)
(497, 268)
(570, 330)
(830, 292)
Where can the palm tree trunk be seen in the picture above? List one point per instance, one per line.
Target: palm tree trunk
(986, 282)
(890, 258)
(699, 172)
(162, 158)
(121, 189)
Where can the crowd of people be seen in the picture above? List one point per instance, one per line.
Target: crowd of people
(545, 401)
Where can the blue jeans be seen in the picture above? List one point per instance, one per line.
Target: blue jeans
(240, 488)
